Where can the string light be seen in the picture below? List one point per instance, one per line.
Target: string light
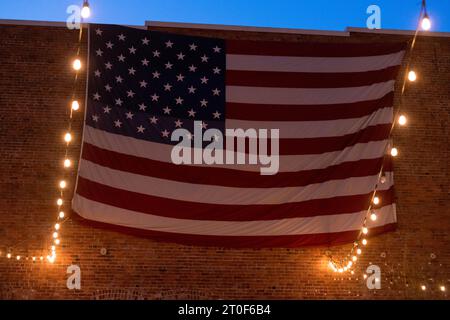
(426, 22)
(423, 287)
(358, 251)
(55, 234)
(61, 214)
(376, 200)
(59, 202)
(67, 137)
(402, 120)
(394, 152)
(57, 226)
(57, 241)
(67, 163)
(76, 64)
(62, 184)
(18, 257)
(373, 216)
(442, 288)
(412, 76)
(75, 105)
(86, 10)
(365, 230)
(364, 242)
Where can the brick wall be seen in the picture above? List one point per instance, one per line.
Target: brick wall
(35, 88)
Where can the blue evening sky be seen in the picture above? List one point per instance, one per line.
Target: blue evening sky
(314, 14)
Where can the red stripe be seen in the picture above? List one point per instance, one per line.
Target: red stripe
(271, 112)
(228, 177)
(205, 211)
(309, 80)
(311, 49)
(289, 241)
(328, 144)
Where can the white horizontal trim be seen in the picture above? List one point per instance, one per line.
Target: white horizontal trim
(215, 194)
(288, 163)
(398, 32)
(97, 211)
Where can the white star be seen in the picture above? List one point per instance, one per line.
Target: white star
(109, 45)
(130, 93)
(153, 120)
(118, 123)
(168, 65)
(156, 74)
(204, 80)
(192, 89)
(143, 84)
(192, 68)
(156, 53)
(165, 133)
(216, 92)
(121, 37)
(99, 52)
(167, 87)
(97, 73)
(216, 49)
(145, 62)
(204, 125)
(204, 103)
(180, 77)
(179, 100)
(155, 97)
(129, 115)
(121, 58)
(145, 41)
(167, 110)
(216, 70)
(178, 123)
(131, 71)
(142, 106)
(106, 109)
(98, 32)
(140, 129)
(108, 65)
(119, 102)
(119, 79)
(169, 44)
(216, 115)
(192, 47)
(204, 58)
(108, 88)
(95, 118)
(132, 50)
(192, 113)
(180, 56)
(96, 96)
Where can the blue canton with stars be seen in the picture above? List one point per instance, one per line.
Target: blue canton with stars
(145, 84)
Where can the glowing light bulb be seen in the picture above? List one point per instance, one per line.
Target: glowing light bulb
(55, 234)
(376, 200)
(394, 152)
(349, 264)
(442, 288)
(41, 258)
(340, 270)
(57, 241)
(18, 257)
(365, 230)
(67, 163)
(76, 64)
(34, 258)
(352, 272)
(423, 287)
(61, 214)
(373, 216)
(365, 276)
(358, 251)
(402, 120)
(85, 11)
(412, 76)
(57, 226)
(426, 23)
(354, 258)
(8, 255)
(67, 137)
(59, 202)
(364, 241)
(383, 179)
(53, 248)
(62, 184)
(75, 105)
(345, 268)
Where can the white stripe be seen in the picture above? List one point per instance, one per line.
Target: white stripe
(312, 64)
(307, 96)
(291, 163)
(215, 194)
(317, 129)
(97, 211)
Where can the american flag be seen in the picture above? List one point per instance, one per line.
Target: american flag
(332, 104)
